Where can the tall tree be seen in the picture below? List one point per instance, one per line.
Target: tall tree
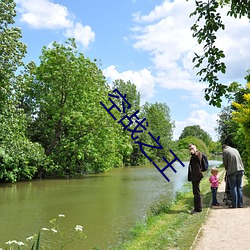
(229, 130)
(19, 158)
(12, 51)
(159, 124)
(227, 127)
(130, 152)
(207, 24)
(67, 117)
(184, 142)
(196, 131)
(241, 115)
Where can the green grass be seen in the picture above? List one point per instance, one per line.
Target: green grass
(246, 188)
(170, 226)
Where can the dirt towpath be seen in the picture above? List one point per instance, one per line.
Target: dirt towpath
(225, 228)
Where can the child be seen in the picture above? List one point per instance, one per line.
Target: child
(214, 185)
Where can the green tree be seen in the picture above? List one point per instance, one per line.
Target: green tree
(242, 117)
(20, 158)
(196, 131)
(159, 124)
(67, 118)
(183, 144)
(215, 147)
(133, 156)
(229, 130)
(12, 50)
(205, 28)
(227, 127)
(233, 123)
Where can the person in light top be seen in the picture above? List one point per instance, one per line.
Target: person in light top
(235, 170)
(214, 186)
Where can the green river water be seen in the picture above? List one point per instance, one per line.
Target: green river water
(104, 204)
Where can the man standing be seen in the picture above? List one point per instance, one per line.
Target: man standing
(195, 175)
(235, 170)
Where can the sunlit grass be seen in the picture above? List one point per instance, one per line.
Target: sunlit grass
(170, 226)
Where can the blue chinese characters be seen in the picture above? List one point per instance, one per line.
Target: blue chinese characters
(141, 125)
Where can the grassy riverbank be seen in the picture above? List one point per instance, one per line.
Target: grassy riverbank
(170, 227)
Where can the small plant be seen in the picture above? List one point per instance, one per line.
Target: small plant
(48, 237)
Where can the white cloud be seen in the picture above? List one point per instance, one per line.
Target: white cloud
(83, 34)
(165, 33)
(167, 36)
(234, 41)
(208, 122)
(143, 80)
(44, 14)
(159, 12)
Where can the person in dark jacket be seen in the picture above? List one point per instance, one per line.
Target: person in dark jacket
(235, 169)
(195, 175)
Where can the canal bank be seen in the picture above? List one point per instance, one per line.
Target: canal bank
(171, 227)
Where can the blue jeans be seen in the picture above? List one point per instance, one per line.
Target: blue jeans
(214, 196)
(235, 182)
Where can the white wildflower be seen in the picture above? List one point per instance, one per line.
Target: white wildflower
(61, 215)
(54, 230)
(45, 229)
(78, 228)
(20, 243)
(10, 242)
(29, 238)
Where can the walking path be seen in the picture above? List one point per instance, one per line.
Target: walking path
(225, 228)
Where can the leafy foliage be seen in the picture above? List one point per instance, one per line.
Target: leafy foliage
(205, 28)
(65, 91)
(227, 128)
(130, 151)
(233, 123)
(20, 158)
(241, 115)
(51, 119)
(12, 50)
(196, 131)
(183, 144)
(159, 124)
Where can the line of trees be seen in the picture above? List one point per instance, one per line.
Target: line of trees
(234, 121)
(52, 122)
(51, 119)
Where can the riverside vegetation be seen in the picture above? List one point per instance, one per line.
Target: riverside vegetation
(52, 237)
(172, 227)
(52, 123)
(166, 227)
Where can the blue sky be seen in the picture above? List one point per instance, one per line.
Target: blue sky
(148, 42)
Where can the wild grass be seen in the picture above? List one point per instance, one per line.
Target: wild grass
(54, 237)
(170, 226)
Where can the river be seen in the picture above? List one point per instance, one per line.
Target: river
(104, 204)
